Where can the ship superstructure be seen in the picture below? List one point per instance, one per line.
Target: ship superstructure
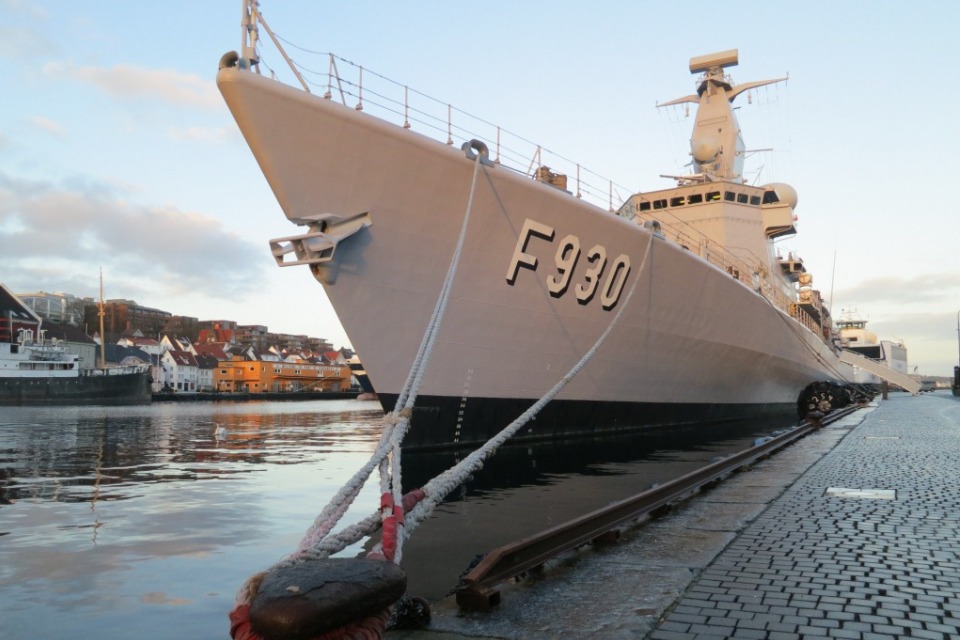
(855, 337)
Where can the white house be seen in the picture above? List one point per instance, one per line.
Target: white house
(180, 371)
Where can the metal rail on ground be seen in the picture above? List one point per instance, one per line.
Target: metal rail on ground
(479, 591)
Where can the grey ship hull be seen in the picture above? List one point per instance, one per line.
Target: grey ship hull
(694, 344)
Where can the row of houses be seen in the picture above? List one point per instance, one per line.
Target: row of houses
(122, 317)
(180, 366)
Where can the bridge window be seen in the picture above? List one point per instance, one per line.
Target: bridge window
(659, 204)
(755, 200)
(729, 196)
(742, 198)
(713, 196)
(695, 198)
(644, 206)
(677, 202)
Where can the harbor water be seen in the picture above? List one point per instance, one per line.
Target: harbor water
(119, 522)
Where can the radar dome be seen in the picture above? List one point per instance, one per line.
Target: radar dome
(705, 149)
(785, 193)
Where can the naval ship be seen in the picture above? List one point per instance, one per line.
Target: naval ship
(720, 326)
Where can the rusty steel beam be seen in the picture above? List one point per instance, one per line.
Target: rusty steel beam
(478, 589)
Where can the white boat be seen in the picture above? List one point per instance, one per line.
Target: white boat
(719, 328)
(36, 371)
(854, 336)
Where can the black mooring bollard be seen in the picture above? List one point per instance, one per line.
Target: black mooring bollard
(316, 596)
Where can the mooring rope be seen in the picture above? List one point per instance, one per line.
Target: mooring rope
(399, 515)
(408, 394)
(317, 541)
(440, 486)
(437, 489)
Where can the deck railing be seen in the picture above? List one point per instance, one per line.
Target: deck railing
(755, 275)
(363, 89)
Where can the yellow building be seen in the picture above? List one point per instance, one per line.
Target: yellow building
(260, 376)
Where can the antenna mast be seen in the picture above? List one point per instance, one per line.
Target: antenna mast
(250, 36)
(103, 338)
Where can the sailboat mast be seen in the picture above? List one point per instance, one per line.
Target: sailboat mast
(103, 339)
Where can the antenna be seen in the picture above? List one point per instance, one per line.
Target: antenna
(721, 59)
(103, 339)
(250, 36)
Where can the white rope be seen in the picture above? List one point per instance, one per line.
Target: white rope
(438, 488)
(317, 541)
(408, 395)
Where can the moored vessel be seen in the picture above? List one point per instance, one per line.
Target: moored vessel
(721, 327)
(36, 371)
(855, 337)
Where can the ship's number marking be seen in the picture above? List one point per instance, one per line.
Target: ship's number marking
(565, 261)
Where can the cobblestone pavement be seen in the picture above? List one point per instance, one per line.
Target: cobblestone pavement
(855, 565)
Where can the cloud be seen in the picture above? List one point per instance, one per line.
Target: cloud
(921, 289)
(130, 82)
(48, 125)
(57, 235)
(23, 43)
(25, 7)
(201, 134)
(932, 327)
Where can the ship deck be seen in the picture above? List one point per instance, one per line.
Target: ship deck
(768, 553)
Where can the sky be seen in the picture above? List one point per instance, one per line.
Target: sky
(117, 151)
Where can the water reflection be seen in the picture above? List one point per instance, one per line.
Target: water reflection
(146, 518)
(529, 487)
(114, 519)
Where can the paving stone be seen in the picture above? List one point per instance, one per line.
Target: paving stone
(844, 633)
(931, 635)
(780, 635)
(945, 628)
(753, 623)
